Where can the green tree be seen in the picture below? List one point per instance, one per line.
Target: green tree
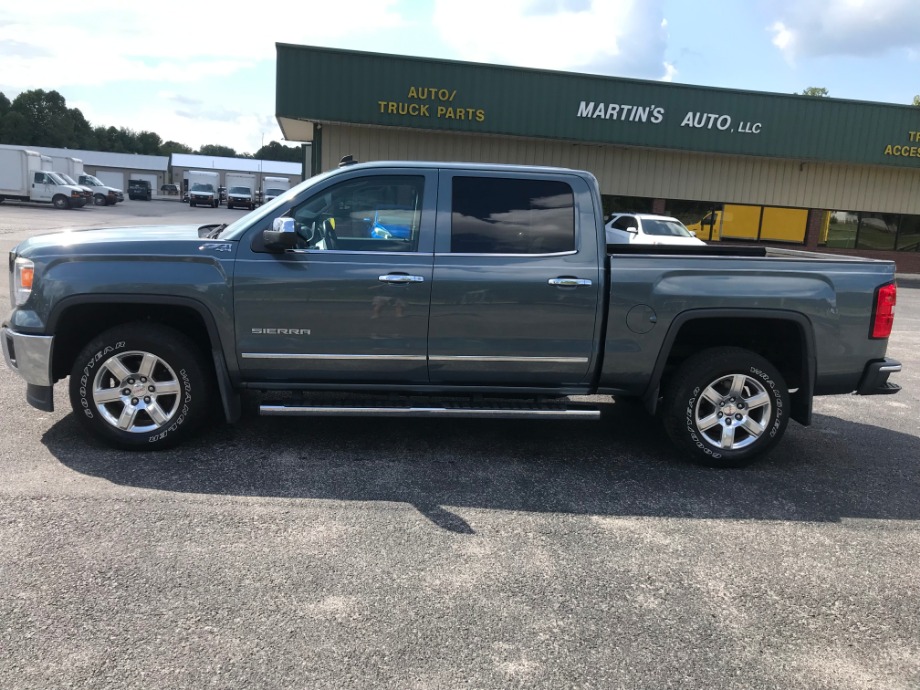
(15, 128)
(916, 100)
(149, 143)
(49, 122)
(167, 148)
(818, 91)
(273, 151)
(217, 150)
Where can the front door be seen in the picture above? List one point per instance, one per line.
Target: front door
(351, 302)
(42, 187)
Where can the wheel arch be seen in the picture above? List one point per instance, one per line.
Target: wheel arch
(784, 338)
(75, 321)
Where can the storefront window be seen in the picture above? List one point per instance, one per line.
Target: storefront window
(877, 231)
(841, 229)
(909, 234)
(626, 204)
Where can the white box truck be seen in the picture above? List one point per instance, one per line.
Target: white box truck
(203, 188)
(274, 186)
(22, 179)
(49, 166)
(103, 195)
(241, 190)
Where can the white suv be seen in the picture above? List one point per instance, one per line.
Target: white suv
(645, 228)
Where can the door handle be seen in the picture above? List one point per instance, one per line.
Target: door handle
(569, 282)
(400, 279)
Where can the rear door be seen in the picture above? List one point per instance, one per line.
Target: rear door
(517, 281)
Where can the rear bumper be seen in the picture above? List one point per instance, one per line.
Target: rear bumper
(875, 378)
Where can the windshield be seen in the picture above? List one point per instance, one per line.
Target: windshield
(665, 228)
(240, 190)
(273, 192)
(93, 180)
(57, 178)
(202, 187)
(270, 209)
(67, 178)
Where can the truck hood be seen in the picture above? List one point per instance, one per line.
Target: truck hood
(149, 239)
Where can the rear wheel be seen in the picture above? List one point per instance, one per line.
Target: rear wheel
(726, 406)
(140, 386)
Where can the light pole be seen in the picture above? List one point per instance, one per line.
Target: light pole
(261, 180)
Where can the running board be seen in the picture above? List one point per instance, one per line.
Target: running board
(466, 412)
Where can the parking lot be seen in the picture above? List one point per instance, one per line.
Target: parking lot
(365, 553)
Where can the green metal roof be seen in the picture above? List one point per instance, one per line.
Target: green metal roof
(327, 85)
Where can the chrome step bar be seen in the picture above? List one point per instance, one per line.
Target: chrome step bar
(523, 412)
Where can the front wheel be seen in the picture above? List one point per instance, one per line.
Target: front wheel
(61, 201)
(99, 200)
(726, 406)
(140, 386)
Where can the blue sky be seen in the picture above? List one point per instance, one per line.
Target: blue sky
(204, 73)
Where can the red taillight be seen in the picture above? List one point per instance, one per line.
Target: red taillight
(883, 316)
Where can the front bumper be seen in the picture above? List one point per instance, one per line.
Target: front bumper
(875, 378)
(30, 357)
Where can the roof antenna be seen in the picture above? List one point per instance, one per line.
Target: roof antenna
(347, 160)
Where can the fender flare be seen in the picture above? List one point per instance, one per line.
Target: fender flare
(230, 397)
(801, 401)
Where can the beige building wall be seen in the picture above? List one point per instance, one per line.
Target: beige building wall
(648, 172)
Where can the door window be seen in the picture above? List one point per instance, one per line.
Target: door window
(374, 213)
(512, 216)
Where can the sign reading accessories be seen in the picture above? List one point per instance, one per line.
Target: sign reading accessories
(324, 85)
(907, 151)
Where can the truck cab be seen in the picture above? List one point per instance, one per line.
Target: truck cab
(103, 195)
(51, 187)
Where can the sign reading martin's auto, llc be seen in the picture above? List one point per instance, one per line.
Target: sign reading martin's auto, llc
(333, 86)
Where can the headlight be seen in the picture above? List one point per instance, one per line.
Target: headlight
(21, 286)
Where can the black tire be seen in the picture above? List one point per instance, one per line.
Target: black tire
(99, 200)
(191, 203)
(708, 411)
(141, 386)
(61, 201)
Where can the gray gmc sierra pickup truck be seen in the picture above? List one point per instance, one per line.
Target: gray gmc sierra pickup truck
(431, 289)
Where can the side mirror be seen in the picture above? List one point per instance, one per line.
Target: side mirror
(633, 229)
(693, 232)
(282, 236)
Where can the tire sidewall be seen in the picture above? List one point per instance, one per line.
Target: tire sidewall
(172, 349)
(682, 417)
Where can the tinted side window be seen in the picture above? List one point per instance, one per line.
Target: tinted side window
(625, 222)
(374, 213)
(511, 216)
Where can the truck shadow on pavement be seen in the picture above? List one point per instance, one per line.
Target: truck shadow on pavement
(622, 466)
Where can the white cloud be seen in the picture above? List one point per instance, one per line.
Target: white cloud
(811, 28)
(60, 43)
(616, 37)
